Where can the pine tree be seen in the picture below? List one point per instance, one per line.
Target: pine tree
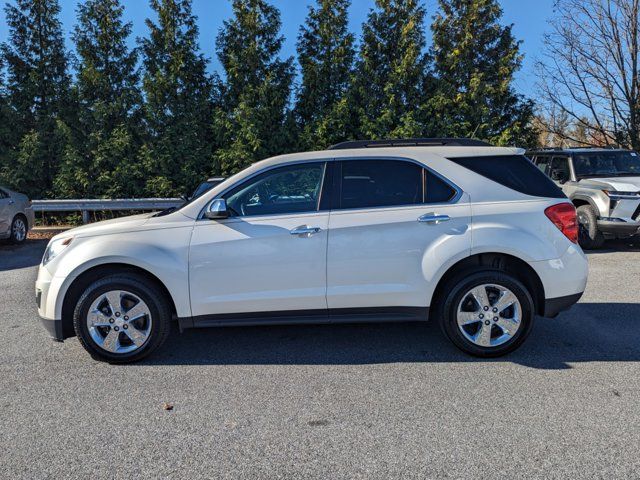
(177, 108)
(475, 60)
(392, 78)
(38, 94)
(253, 121)
(109, 107)
(326, 55)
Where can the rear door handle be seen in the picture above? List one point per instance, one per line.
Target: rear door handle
(305, 230)
(433, 218)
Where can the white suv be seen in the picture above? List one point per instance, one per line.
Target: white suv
(472, 236)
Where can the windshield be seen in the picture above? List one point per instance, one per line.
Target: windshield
(606, 164)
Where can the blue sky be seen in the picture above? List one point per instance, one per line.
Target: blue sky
(528, 16)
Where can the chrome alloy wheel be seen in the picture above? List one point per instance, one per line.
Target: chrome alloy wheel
(19, 229)
(119, 321)
(489, 315)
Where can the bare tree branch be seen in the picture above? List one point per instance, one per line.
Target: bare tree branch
(589, 72)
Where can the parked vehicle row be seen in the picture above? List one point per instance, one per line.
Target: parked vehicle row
(603, 184)
(472, 236)
(16, 216)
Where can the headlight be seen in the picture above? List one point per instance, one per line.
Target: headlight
(615, 195)
(54, 248)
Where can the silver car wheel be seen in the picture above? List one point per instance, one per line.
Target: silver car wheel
(489, 315)
(19, 230)
(119, 321)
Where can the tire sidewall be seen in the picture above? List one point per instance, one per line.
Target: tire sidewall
(153, 299)
(12, 237)
(594, 238)
(449, 323)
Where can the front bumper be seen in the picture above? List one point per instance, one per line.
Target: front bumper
(53, 328)
(618, 226)
(46, 307)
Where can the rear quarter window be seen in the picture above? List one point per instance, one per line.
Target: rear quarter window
(513, 171)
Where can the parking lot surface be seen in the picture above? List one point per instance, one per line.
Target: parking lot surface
(361, 401)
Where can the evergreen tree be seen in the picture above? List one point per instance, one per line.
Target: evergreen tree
(475, 61)
(326, 54)
(177, 106)
(253, 121)
(102, 161)
(392, 78)
(37, 93)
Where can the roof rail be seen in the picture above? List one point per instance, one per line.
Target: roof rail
(411, 142)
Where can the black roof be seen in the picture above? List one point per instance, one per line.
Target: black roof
(411, 142)
(575, 149)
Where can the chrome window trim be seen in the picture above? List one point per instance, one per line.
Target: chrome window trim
(455, 199)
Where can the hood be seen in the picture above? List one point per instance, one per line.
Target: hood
(621, 184)
(116, 225)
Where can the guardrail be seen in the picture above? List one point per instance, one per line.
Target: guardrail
(99, 205)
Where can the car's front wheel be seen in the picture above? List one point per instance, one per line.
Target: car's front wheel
(487, 313)
(589, 236)
(122, 318)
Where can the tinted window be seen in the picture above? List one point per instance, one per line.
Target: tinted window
(291, 189)
(606, 164)
(560, 168)
(380, 183)
(3, 194)
(512, 171)
(437, 190)
(542, 163)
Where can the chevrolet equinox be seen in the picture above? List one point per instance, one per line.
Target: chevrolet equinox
(468, 235)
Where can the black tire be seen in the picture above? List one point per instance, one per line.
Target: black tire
(14, 238)
(589, 236)
(145, 290)
(459, 286)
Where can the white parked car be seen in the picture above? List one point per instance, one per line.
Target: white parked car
(16, 216)
(471, 236)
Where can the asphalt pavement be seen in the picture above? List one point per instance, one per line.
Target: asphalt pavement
(348, 401)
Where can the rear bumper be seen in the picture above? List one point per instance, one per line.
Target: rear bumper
(31, 217)
(553, 306)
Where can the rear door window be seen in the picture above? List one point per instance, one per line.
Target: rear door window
(388, 183)
(380, 183)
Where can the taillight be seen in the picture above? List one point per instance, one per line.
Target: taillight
(563, 216)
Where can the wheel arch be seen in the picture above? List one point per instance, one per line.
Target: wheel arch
(79, 283)
(580, 200)
(515, 266)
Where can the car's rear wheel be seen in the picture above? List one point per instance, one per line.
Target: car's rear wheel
(121, 319)
(589, 236)
(486, 313)
(18, 229)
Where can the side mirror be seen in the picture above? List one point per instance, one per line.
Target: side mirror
(217, 210)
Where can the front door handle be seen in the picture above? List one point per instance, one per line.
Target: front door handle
(433, 218)
(305, 230)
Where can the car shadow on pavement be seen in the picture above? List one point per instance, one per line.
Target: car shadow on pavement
(25, 255)
(590, 332)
